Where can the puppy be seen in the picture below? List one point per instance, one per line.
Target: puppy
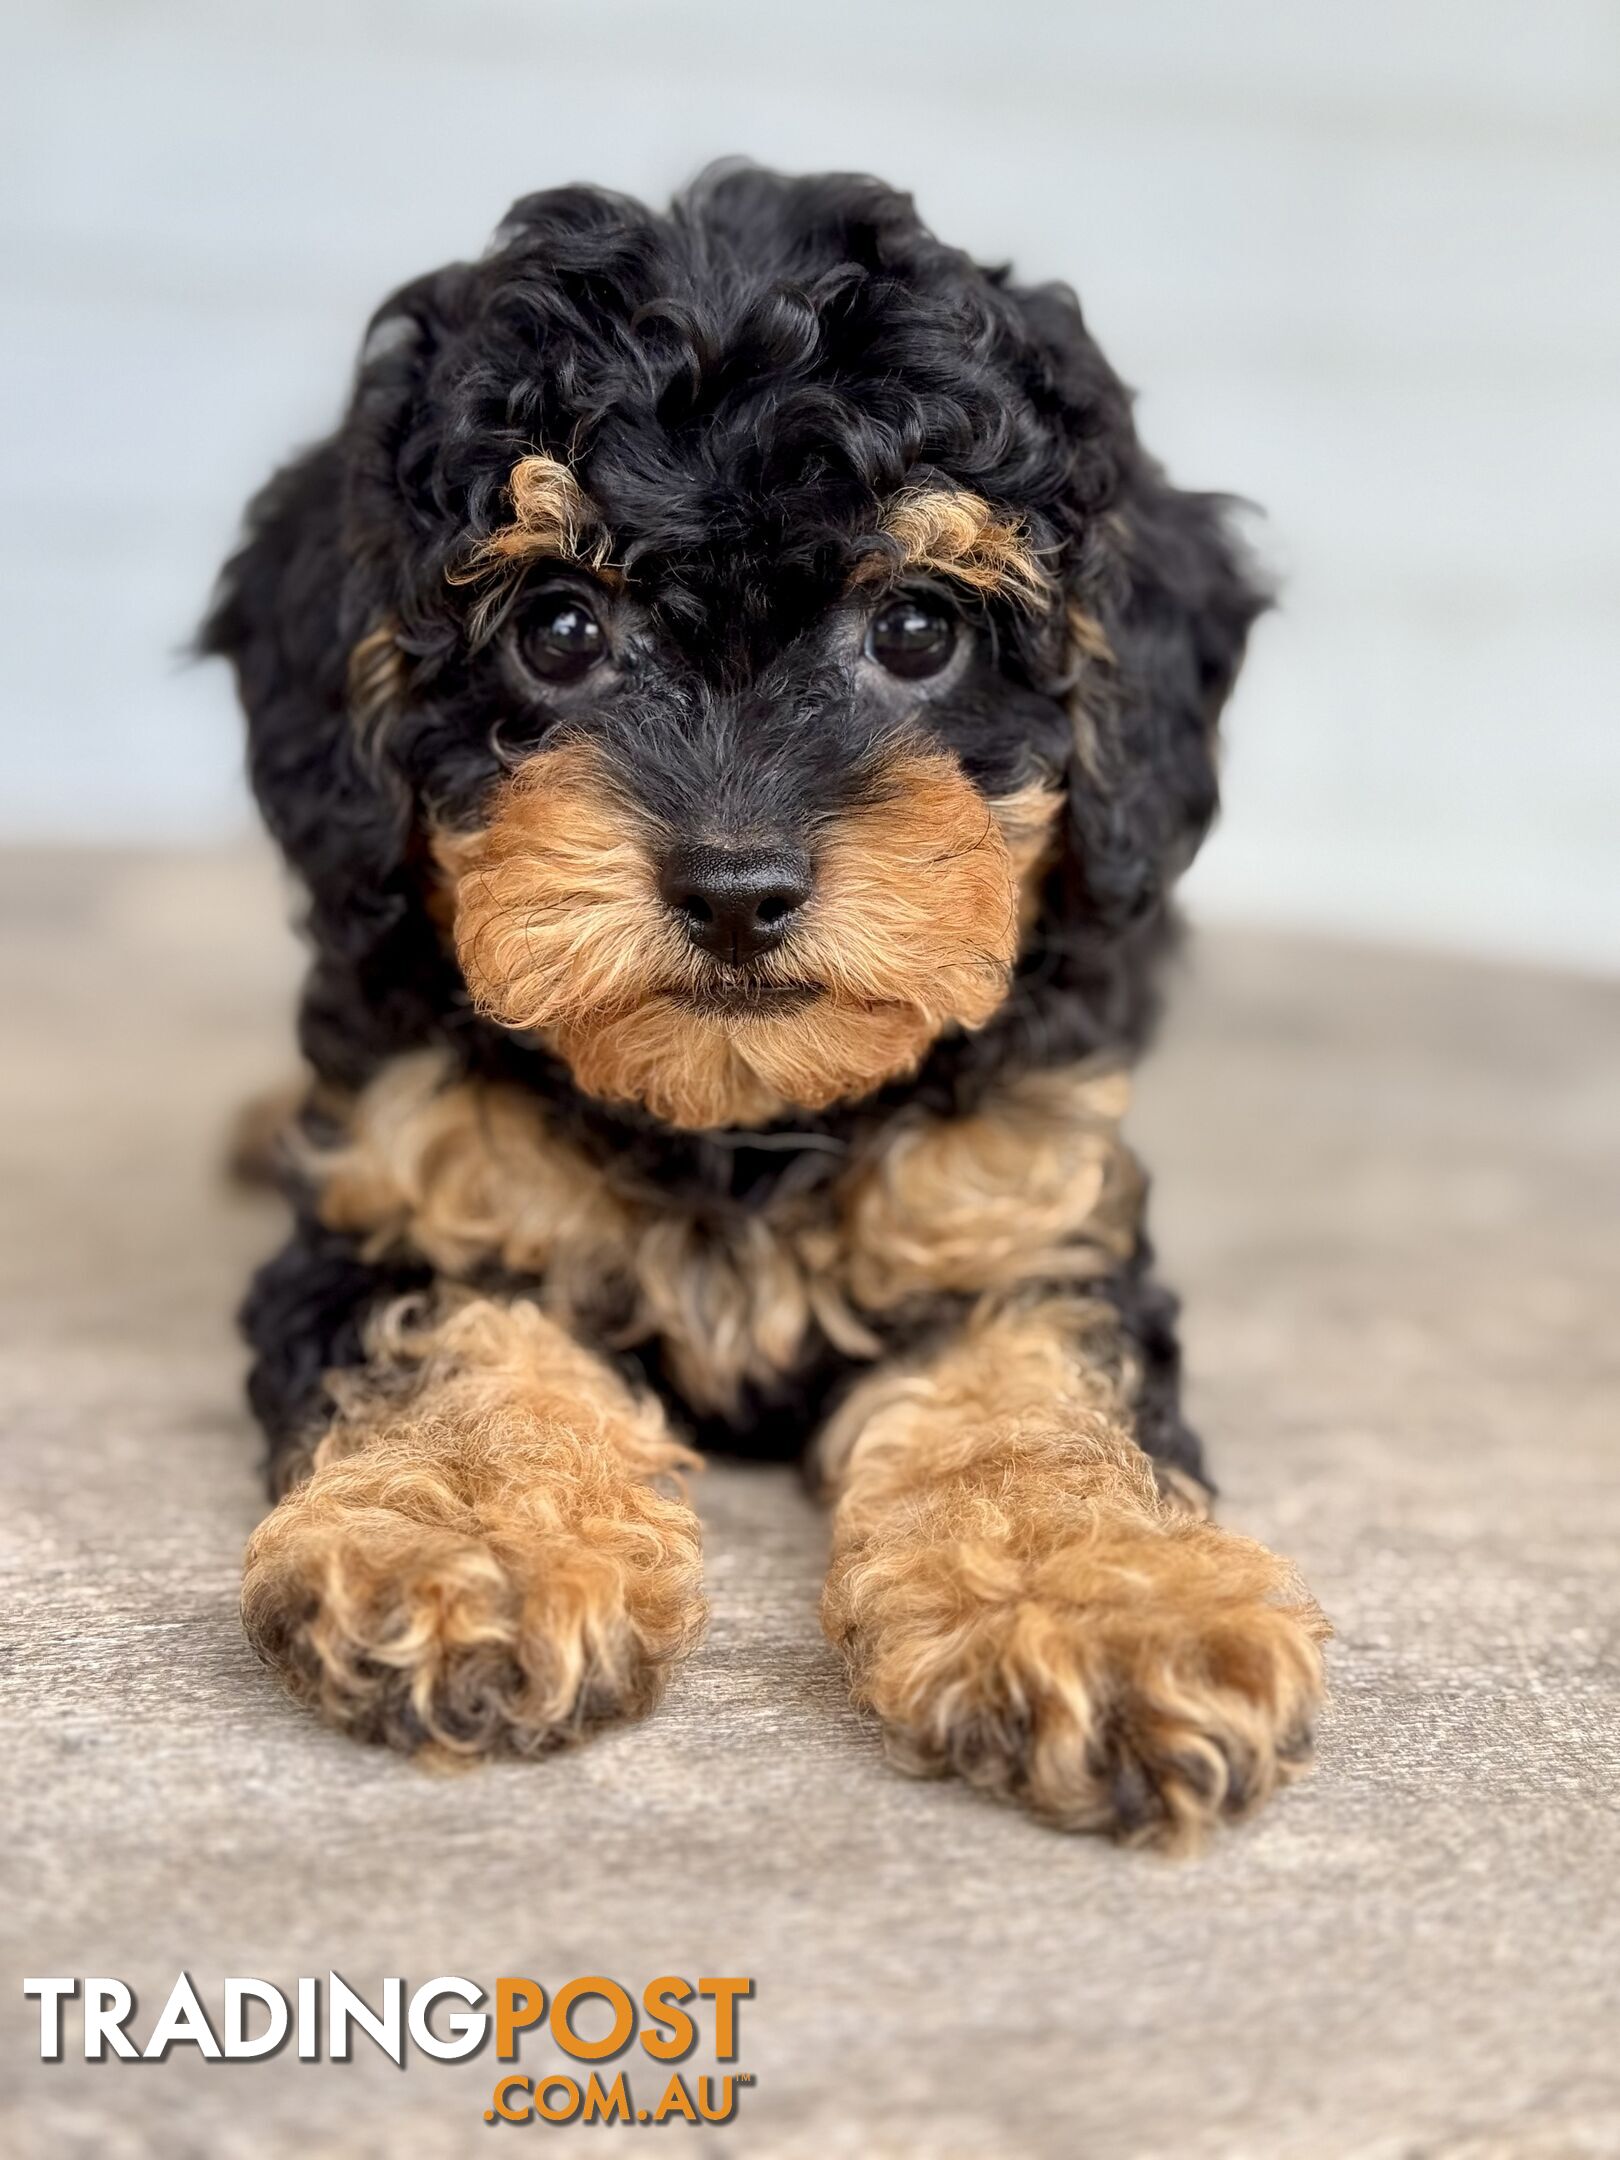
(736, 696)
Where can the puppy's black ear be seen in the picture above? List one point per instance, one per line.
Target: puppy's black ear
(1159, 631)
(1160, 596)
(306, 611)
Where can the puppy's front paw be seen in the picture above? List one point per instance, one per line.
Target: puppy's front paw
(447, 1595)
(1133, 1671)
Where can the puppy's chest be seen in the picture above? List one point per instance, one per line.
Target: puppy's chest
(1035, 1187)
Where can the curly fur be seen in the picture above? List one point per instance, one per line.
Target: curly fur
(559, 928)
(553, 519)
(483, 1559)
(1018, 1603)
(564, 1172)
(955, 534)
(475, 1178)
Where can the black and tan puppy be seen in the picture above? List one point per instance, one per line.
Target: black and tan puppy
(736, 695)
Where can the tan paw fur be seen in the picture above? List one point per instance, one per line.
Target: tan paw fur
(490, 1569)
(1037, 1619)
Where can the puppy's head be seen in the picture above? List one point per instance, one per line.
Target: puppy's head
(766, 638)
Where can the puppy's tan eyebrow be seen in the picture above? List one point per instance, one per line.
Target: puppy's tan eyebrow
(956, 534)
(553, 519)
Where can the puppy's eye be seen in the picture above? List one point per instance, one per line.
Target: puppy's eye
(562, 639)
(912, 637)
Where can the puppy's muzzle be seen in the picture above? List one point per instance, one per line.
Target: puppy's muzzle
(730, 984)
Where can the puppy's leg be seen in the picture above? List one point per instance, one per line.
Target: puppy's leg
(490, 1554)
(1019, 1601)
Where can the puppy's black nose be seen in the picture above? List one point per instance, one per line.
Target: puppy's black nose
(736, 903)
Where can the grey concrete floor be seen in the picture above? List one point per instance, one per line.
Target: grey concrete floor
(1390, 1188)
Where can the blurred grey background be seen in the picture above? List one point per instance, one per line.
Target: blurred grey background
(1361, 262)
